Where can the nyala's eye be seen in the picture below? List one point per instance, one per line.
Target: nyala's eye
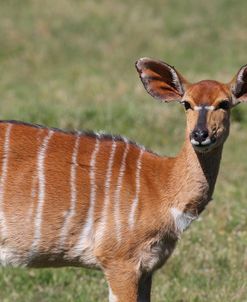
(186, 105)
(225, 105)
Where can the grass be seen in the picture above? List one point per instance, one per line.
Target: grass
(70, 64)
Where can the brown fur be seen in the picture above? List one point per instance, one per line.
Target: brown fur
(185, 182)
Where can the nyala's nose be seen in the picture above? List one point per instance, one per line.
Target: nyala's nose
(199, 135)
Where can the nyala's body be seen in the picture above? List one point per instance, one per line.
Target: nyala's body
(101, 201)
(69, 193)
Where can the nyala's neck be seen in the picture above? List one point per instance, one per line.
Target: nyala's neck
(192, 178)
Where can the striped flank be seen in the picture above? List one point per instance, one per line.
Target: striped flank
(41, 189)
(118, 191)
(3, 224)
(88, 227)
(138, 186)
(73, 200)
(104, 215)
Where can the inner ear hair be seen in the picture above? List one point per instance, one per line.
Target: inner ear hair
(239, 85)
(168, 73)
(161, 80)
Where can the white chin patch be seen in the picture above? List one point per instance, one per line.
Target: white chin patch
(194, 142)
(204, 143)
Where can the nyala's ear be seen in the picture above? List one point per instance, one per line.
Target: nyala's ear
(161, 80)
(238, 86)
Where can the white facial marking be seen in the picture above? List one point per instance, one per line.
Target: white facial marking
(197, 108)
(206, 142)
(85, 239)
(182, 220)
(194, 142)
(3, 224)
(41, 191)
(73, 193)
(118, 190)
(104, 216)
(210, 108)
(138, 185)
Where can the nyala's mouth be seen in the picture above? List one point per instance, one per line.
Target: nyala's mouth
(205, 145)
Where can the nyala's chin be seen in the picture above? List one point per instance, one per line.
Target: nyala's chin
(204, 147)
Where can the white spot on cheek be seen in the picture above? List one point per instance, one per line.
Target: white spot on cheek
(182, 219)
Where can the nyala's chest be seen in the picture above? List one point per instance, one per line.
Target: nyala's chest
(181, 220)
(155, 253)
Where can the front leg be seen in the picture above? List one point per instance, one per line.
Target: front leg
(144, 288)
(123, 285)
(126, 285)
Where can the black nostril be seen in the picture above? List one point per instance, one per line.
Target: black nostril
(200, 135)
(204, 134)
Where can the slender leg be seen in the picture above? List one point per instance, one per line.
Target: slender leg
(123, 284)
(126, 285)
(112, 296)
(144, 288)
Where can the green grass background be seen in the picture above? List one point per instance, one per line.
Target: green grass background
(70, 64)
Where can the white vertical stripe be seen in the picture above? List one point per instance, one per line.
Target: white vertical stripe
(2, 180)
(118, 190)
(73, 192)
(34, 192)
(41, 190)
(87, 229)
(104, 215)
(138, 185)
